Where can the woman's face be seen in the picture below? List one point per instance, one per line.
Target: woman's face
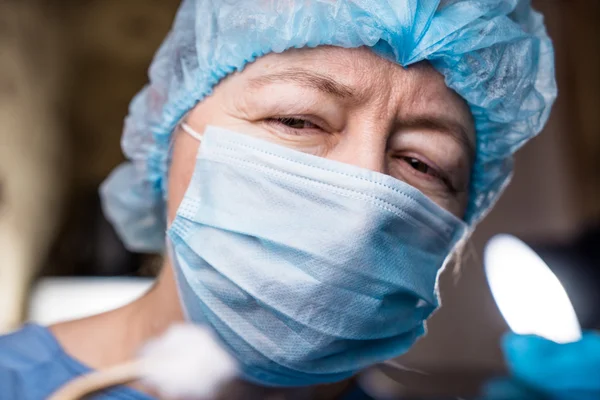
(348, 105)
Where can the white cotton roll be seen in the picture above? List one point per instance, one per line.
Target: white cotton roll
(187, 362)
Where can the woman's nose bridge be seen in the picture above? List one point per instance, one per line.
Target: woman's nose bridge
(364, 147)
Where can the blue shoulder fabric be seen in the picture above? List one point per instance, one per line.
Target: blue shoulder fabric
(33, 365)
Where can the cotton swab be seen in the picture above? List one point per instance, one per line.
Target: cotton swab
(187, 362)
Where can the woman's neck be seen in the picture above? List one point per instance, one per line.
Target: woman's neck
(115, 337)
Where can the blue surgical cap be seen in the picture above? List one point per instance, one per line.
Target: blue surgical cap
(496, 54)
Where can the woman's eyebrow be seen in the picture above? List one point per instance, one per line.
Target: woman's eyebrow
(445, 125)
(310, 79)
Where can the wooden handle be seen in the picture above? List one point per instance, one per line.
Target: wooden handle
(95, 381)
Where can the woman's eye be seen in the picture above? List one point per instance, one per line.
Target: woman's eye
(430, 173)
(294, 123)
(420, 166)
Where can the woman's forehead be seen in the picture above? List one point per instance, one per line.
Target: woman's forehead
(359, 73)
(352, 62)
(359, 69)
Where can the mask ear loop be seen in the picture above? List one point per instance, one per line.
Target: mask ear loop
(188, 129)
(181, 125)
(401, 367)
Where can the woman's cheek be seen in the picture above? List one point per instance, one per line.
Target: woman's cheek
(185, 150)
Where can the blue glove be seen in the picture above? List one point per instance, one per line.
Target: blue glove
(543, 369)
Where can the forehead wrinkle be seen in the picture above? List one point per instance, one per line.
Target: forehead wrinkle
(436, 107)
(306, 78)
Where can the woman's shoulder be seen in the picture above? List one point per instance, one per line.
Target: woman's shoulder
(29, 345)
(34, 365)
(27, 357)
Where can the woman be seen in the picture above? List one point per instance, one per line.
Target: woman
(316, 164)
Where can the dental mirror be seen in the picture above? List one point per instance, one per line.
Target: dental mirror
(528, 294)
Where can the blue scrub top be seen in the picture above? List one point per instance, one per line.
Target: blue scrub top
(33, 365)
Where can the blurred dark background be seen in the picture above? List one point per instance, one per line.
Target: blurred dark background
(69, 68)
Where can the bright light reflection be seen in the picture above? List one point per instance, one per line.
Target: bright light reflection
(528, 294)
(59, 299)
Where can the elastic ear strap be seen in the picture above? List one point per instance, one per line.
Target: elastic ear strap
(188, 129)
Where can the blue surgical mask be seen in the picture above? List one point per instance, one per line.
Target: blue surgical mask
(308, 269)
